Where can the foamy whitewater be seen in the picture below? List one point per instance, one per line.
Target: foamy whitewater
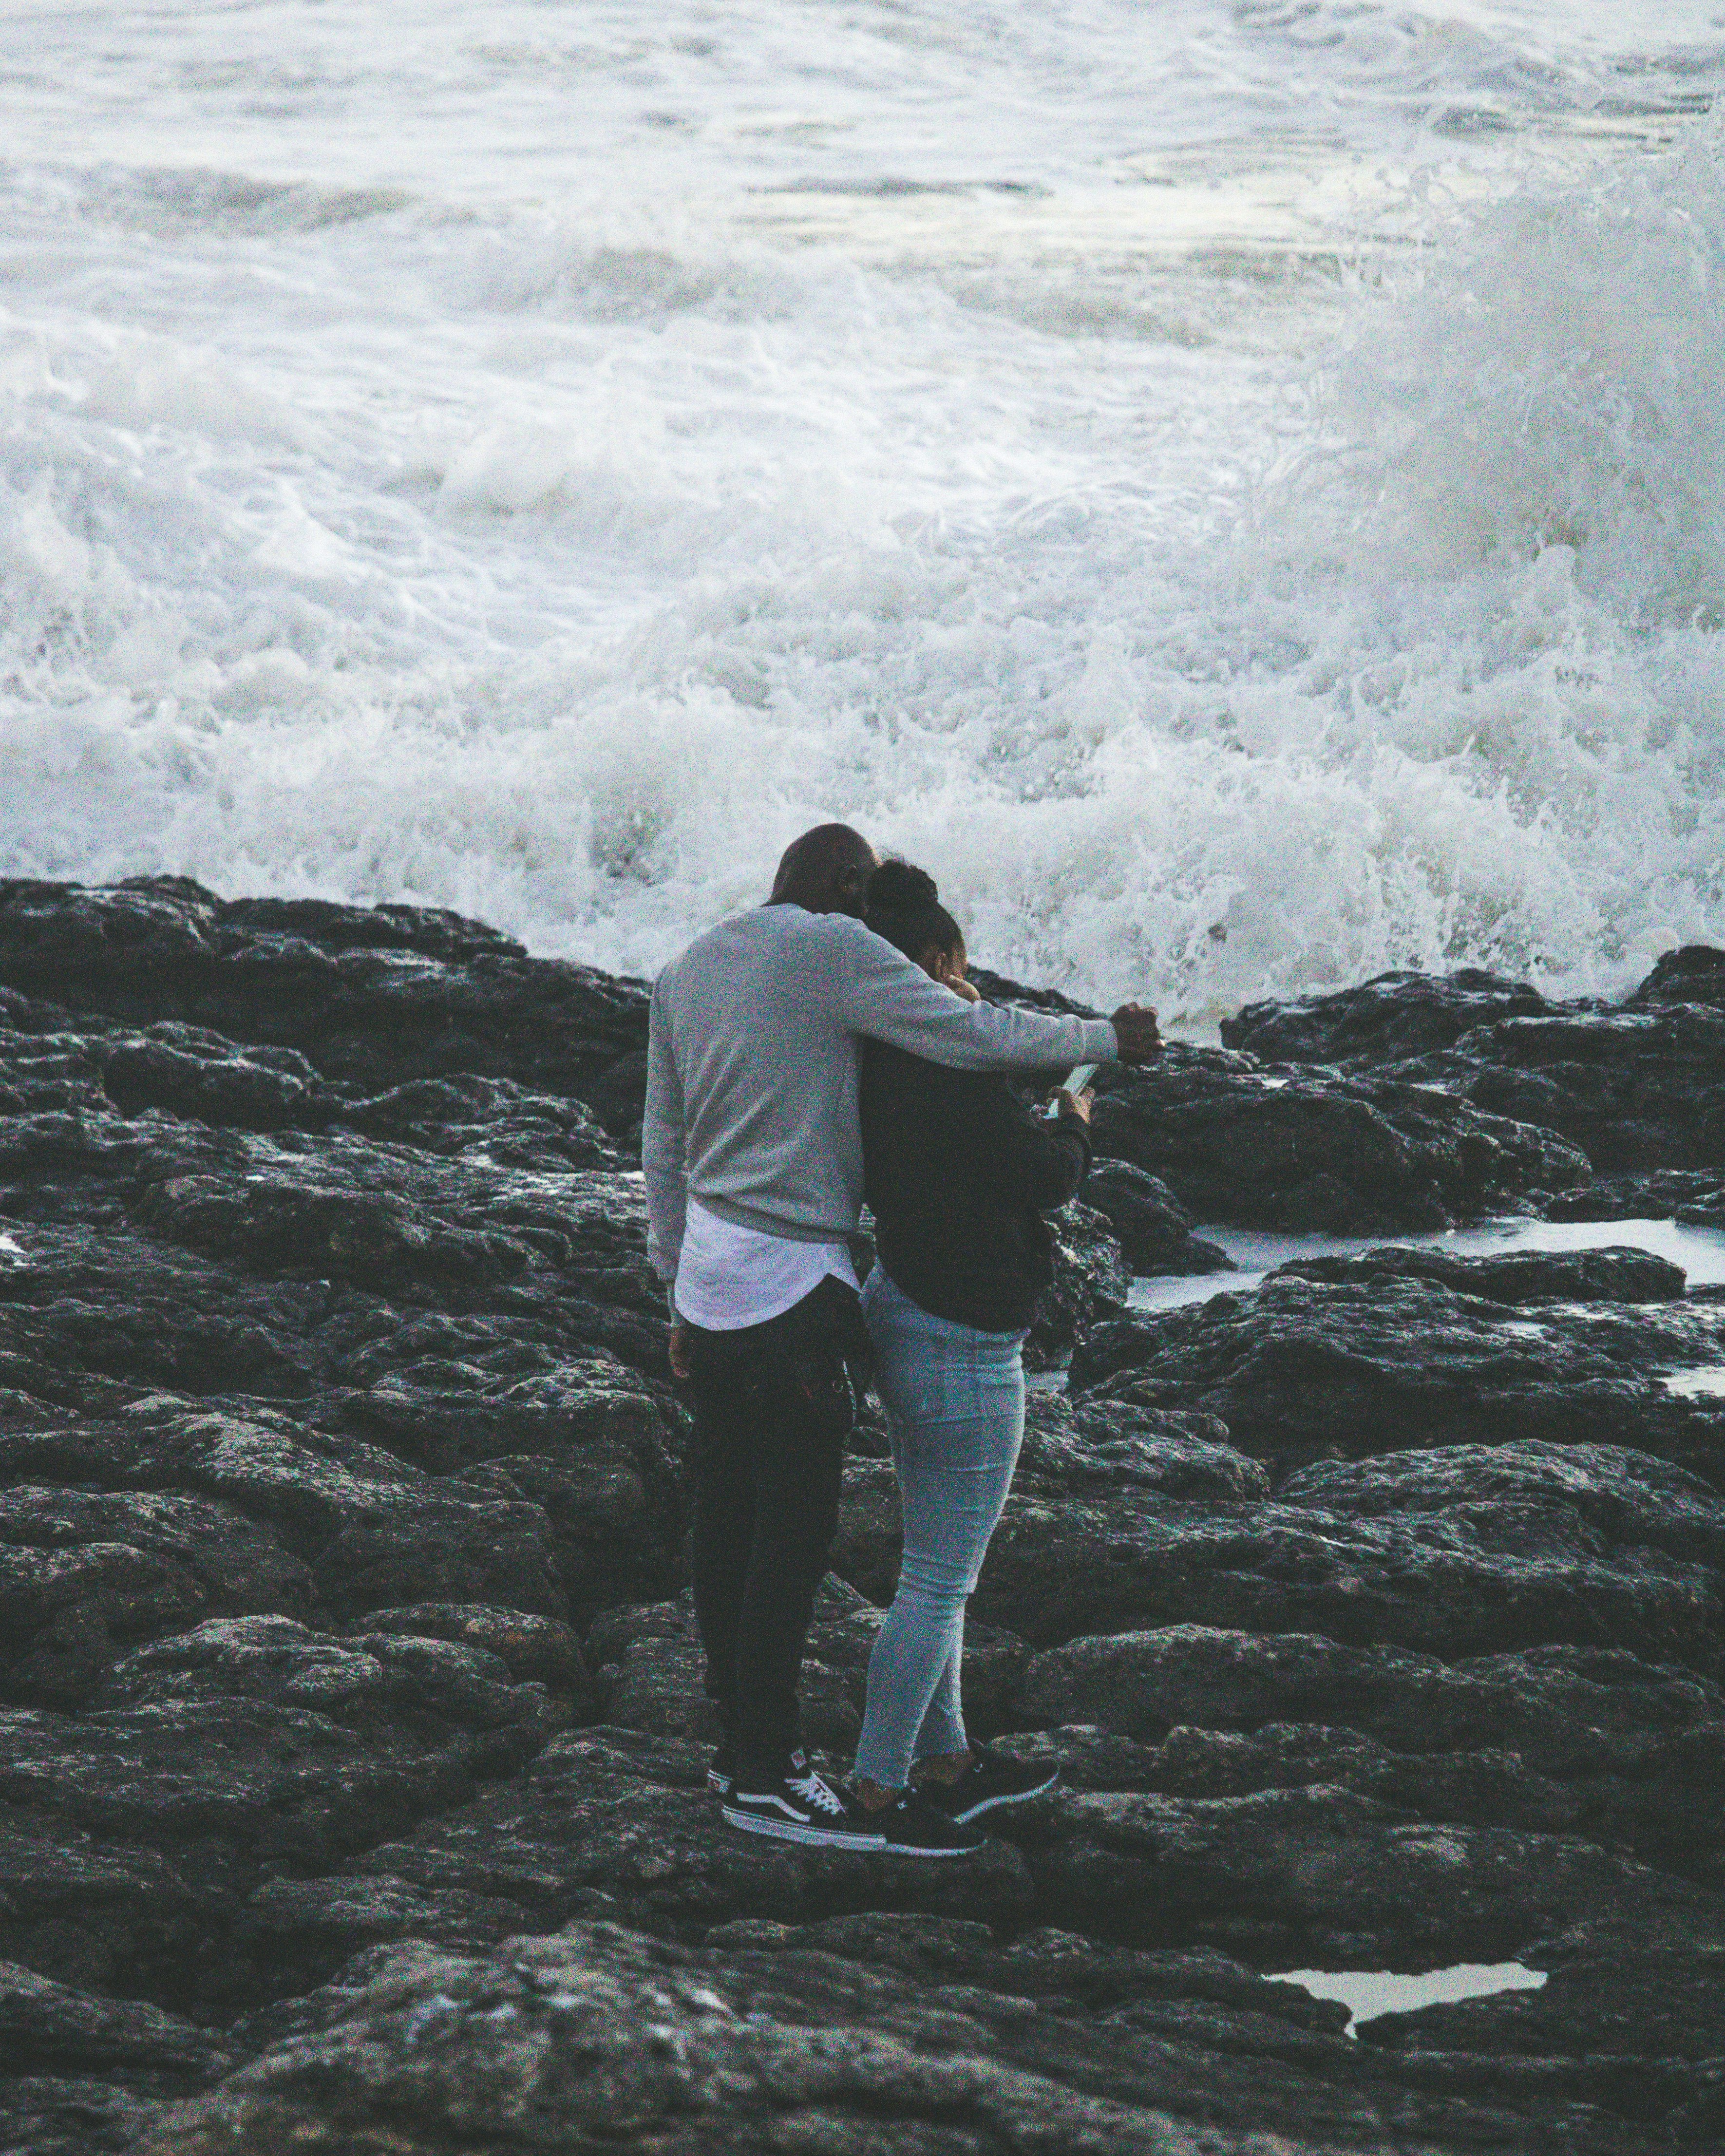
(1239, 491)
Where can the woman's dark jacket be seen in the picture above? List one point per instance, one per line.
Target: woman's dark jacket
(959, 1173)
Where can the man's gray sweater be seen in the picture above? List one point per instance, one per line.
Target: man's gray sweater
(752, 1082)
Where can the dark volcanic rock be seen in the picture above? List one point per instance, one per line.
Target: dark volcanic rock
(1695, 1196)
(1596, 1745)
(93, 1911)
(81, 1573)
(1639, 1087)
(54, 2028)
(855, 2035)
(1562, 1710)
(67, 2115)
(1515, 1277)
(1323, 1871)
(1315, 1150)
(1154, 1228)
(1695, 974)
(532, 1649)
(1308, 1368)
(1090, 1281)
(1451, 1578)
(1636, 1088)
(273, 1741)
(1385, 1021)
(1377, 1614)
(371, 997)
(1634, 2024)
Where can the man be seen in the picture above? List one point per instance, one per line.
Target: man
(753, 1158)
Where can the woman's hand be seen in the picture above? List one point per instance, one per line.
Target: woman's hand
(1077, 1106)
(948, 969)
(679, 1349)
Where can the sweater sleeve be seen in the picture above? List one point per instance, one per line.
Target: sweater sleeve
(663, 1160)
(880, 993)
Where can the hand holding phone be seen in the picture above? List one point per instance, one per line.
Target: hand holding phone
(1077, 1079)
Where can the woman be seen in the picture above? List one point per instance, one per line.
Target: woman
(958, 1174)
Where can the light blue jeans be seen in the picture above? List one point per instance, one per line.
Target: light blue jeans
(955, 1407)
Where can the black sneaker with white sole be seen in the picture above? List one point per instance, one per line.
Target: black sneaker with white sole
(800, 1806)
(721, 1769)
(992, 1780)
(912, 1827)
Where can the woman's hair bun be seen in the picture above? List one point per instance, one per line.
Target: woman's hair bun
(900, 887)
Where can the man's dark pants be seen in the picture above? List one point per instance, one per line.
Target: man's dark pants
(773, 1406)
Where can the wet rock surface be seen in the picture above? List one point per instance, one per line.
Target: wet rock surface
(352, 1738)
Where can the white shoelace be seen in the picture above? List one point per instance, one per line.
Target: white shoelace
(815, 1793)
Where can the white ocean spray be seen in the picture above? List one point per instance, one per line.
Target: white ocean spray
(1238, 492)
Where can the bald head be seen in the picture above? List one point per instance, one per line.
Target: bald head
(826, 871)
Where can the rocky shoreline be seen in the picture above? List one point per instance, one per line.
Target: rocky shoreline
(351, 1756)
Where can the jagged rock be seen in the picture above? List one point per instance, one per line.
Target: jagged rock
(381, 1684)
(1321, 1872)
(1631, 1497)
(1347, 1157)
(533, 1649)
(194, 1072)
(273, 1740)
(1657, 1807)
(1612, 1549)
(1154, 1228)
(1637, 1089)
(373, 997)
(1694, 1196)
(1695, 974)
(846, 2037)
(1513, 1278)
(490, 1117)
(1083, 1446)
(1387, 1019)
(83, 1573)
(101, 1914)
(70, 2115)
(266, 1781)
(1090, 1281)
(1562, 1710)
(93, 1320)
(47, 2027)
(1636, 2028)
(1304, 1369)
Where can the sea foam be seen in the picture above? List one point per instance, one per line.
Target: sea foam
(1216, 620)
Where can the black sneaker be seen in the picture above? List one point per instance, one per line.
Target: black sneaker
(722, 1771)
(801, 1807)
(992, 1779)
(912, 1827)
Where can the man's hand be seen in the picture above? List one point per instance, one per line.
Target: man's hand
(680, 1348)
(1078, 1105)
(1135, 1034)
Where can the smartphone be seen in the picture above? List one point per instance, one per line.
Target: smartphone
(1077, 1078)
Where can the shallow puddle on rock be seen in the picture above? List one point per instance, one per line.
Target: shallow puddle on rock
(1699, 1251)
(1365, 1992)
(1704, 1382)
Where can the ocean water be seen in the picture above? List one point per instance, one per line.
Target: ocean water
(1238, 489)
